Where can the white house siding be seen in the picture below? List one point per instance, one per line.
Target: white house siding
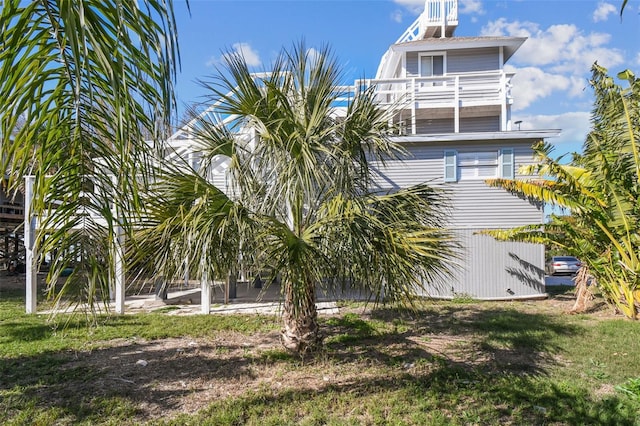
(411, 64)
(487, 268)
(480, 124)
(472, 60)
(474, 204)
(467, 124)
(460, 61)
(435, 125)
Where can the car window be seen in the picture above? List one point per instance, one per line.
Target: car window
(565, 259)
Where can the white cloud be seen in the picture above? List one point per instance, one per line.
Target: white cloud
(471, 7)
(415, 6)
(467, 7)
(396, 16)
(243, 49)
(313, 54)
(531, 84)
(575, 126)
(638, 59)
(560, 48)
(603, 11)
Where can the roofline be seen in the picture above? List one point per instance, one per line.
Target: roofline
(512, 44)
(478, 136)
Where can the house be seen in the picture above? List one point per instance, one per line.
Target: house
(451, 102)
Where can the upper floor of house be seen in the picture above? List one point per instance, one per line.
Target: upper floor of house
(438, 83)
(437, 86)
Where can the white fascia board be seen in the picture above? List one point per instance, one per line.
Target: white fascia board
(479, 136)
(511, 44)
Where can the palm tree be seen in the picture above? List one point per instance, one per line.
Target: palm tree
(600, 188)
(299, 202)
(88, 79)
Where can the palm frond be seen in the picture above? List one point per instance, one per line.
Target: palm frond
(83, 84)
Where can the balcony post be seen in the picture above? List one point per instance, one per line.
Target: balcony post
(504, 119)
(456, 107)
(413, 106)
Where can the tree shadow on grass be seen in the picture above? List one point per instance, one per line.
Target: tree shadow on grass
(150, 374)
(442, 396)
(449, 359)
(494, 339)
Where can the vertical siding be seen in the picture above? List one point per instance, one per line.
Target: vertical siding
(491, 269)
(487, 269)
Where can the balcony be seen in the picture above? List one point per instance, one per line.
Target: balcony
(451, 96)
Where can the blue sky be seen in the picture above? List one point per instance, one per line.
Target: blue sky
(552, 67)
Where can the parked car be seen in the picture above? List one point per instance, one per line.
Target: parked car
(558, 265)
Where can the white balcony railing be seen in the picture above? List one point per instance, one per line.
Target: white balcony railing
(436, 10)
(477, 89)
(436, 13)
(482, 88)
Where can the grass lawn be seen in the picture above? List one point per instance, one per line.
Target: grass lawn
(449, 363)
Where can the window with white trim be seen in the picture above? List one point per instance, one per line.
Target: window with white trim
(507, 163)
(469, 165)
(431, 65)
(450, 166)
(477, 165)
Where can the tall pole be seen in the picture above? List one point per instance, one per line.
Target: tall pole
(30, 248)
(118, 255)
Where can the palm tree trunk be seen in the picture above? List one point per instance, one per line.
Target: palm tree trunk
(301, 330)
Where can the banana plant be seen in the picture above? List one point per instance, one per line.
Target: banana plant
(599, 189)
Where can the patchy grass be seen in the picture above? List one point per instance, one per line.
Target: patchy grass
(446, 363)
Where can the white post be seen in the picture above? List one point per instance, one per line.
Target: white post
(443, 16)
(118, 257)
(205, 294)
(414, 89)
(505, 116)
(30, 248)
(119, 282)
(456, 110)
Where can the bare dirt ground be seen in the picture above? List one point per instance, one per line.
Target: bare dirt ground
(166, 377)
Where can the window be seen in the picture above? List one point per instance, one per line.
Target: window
(450, 166)
(507, 163)
(431, 65)
(478, 164)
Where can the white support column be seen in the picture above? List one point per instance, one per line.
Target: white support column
(456, 108)
(30, 248)
(118, 256)
(119, 282)
(414, 88)
(504, 115)
(205, 294)
(443, 16)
